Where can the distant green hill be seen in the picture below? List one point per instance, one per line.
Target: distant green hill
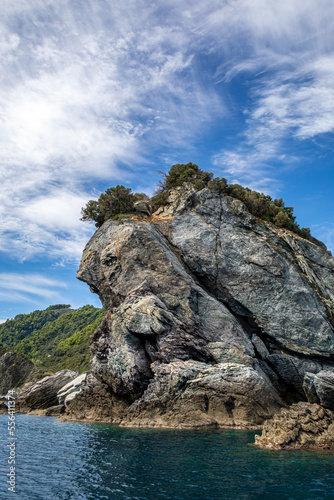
(54, 338)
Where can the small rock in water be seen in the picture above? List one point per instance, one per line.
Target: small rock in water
(303, 425)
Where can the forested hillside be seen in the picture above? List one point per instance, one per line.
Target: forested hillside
(54, 338)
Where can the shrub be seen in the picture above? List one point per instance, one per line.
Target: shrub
(114, 201)
(282, 219)
(306, 233)
(118, 202)
(218, 184)
(180, 173)
(159, 200)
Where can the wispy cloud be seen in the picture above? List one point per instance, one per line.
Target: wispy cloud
(300, 101)
(290, 63)
(28, 287)
(292, 104)
(89, 89)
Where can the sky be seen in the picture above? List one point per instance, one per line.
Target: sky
(95, 93)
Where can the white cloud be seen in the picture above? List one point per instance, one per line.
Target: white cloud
(28, 287)
(90, 88)
(285, 49)
(86, 90)
(303, 102)
(293, 102)
(248, 168)
(60, 210)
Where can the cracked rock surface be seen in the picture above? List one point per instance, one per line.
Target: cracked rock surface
(215, 318)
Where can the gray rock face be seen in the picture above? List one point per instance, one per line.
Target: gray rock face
(43, 394)
(207, 303)
(262, 273)
(14, 369)
(319, 388)
(54, 411)
(72, 389)
(143, 207)
(189, 393)
(95, 402)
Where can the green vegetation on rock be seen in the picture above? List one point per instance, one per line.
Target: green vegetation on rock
(14, 330)
(118, 202)
(115, 201)
(55, 338)
(267, 209)
(181, 173)
(259, 204)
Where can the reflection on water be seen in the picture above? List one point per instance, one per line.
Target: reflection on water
(83, 461)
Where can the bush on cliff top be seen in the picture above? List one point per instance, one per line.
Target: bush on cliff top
(180, 173)
(114, 201)
(267, 209)
(120, 200)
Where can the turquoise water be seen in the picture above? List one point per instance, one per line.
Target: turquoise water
(81, 461)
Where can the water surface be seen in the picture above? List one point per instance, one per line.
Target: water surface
(81, 461)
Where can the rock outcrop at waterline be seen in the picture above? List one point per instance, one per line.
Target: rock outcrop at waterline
(215, 318)
(43, 394)
(303, 425)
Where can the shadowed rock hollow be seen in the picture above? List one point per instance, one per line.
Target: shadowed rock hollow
(215, 318)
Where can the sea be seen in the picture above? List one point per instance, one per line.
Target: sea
(94, 461)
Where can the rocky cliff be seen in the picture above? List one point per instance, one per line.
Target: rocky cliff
(14, 369)
(215, 318)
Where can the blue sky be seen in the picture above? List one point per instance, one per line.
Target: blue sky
(96, 93)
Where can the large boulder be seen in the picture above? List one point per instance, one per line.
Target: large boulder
(94, 402)
(319, 388)
(72, 389)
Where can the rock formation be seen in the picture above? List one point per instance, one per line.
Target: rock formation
(70, 390)
(303, 425)
(87, 398)
(43, 394)
(215, 318)
(14, 369)
(94, 402)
